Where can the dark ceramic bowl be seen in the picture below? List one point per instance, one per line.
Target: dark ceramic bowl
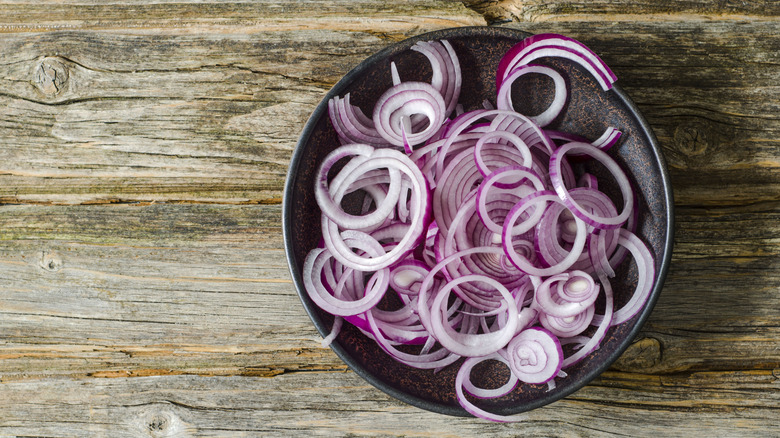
(590, 112)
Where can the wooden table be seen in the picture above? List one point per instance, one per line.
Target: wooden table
(143, 150)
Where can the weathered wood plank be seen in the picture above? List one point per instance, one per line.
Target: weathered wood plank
(108, 135)
(173, 16)
(341, 404)
(207, 114)
(204, 289)
(175, 289)
(144, 285)
(623, 10)
(390, 20)
(141, 118)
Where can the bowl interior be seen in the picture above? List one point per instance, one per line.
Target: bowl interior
(589, 113)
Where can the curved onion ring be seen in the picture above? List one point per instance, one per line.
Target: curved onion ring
(534, 355)
(394, 109)
(336, 241)
(323, 191)
(312, 269)
(504, 98)
(464, 373)
(472, 345)
(522, 263)
(611, 165)
(542, 45)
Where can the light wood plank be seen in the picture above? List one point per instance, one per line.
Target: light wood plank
(171, 118)
(339, 404)
(205, 289)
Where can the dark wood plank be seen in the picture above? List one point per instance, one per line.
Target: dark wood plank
(497, 11)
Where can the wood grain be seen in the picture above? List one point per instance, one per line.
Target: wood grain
(293, 405)
(142, 272)
(498, 11)
(119, 129)
(143, 151)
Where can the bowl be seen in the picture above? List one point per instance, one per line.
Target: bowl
(479, 49)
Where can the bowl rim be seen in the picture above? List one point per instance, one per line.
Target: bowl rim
(357, 368)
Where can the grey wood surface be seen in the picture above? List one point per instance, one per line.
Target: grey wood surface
(143, 149)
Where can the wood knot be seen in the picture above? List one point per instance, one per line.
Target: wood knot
(159, 422)
(691, 140)
(51, 76)
(495, 11)
(642, 355)
(50, 261)
(698, 141)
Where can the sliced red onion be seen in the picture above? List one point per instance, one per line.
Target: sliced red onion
(570, 325)
(608, 139)
(403, 101)
(335, 330)
(603, 321)
(564, 137)
(544, 45)
(588, 180)
(645, 272)
(423, 155)
(423, 310)
(515, 173)
(381, 158)
(406, 276)
(464, 373)
(313, 267)
(504, 99)
(446, 70)
(324, 191)
(351, 125)
(534, 355)
(576, 291)
(504, 270)
(517, 153)
(597, 244)
(424, 360)
(611, 165)
(531, 133)
(484, 393)
(539, 200)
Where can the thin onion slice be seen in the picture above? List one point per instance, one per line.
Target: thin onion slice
(534, 355)
(402, 102)
(504, 99)
(611, 165)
